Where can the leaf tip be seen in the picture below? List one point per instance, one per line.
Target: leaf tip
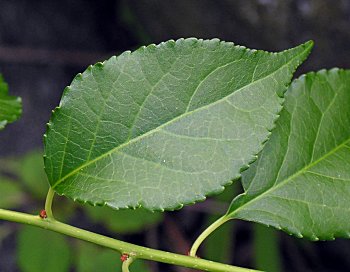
(309, 44)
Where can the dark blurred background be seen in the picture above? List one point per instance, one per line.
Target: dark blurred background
(44, 44)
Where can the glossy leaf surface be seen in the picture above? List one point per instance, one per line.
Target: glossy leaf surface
(10, 106)
(165, 125)
(301, 181)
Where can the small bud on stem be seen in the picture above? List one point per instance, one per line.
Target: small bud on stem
(43, 214)
(124, 257)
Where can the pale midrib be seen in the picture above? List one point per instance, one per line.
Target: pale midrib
(175, 119)
(282, 183)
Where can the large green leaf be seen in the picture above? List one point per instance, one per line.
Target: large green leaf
(40, 250)
(165, 125)
(301, 181)
(10, 106)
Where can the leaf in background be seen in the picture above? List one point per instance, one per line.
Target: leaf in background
(10, 106)
(11, 193)
(218, 246)
(31, 171)
(40, 250)
(30, 175)
(91, 258)
(266, 249)
(301, 181)
(124, 221)
(165, 125)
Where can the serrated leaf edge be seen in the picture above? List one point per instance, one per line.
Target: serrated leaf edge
(307, 49)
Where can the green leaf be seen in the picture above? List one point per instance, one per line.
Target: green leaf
(40, 250)
(10, 106)
(165, 125)
(91, 258)
(124, 221)
(301, 181)
(266, 249)
(10, 193)
(31, 172)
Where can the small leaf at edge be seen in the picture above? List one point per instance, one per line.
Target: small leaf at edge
(10, 106)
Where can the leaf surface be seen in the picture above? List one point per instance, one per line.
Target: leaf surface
(165, 125)
(301, 181)
(10, 106)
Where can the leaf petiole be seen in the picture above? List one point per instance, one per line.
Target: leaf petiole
(48, 203)
(127, 263)
(206, 233)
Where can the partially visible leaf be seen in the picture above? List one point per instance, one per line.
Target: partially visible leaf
(65, 210)
(10, 106)
(92, 258)
(31, 171)
(166, 125)
(41, 250)
(11, 194)
(266, 249)
(124, 221)
(301, 181)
